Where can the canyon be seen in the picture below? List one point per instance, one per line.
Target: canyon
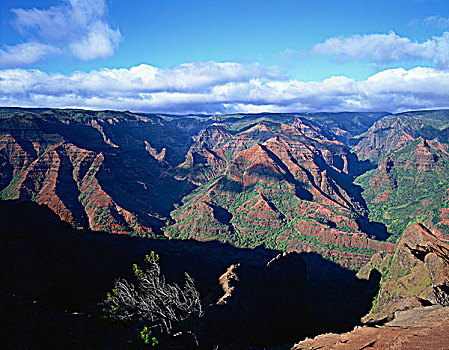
(343, 215)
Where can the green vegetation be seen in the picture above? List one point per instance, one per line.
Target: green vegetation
(271, 227)
(244, 198)
(10, 192)
(242, 122)
(412, 190)
(147, 338)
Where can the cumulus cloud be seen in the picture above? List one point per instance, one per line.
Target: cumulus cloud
(386, 48)
(77, 27)
(210, 87)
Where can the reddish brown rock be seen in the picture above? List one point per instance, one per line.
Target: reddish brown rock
(418, 272)
(428, 330)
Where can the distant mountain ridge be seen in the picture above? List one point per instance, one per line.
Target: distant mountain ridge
(410, 183)
(282, 180)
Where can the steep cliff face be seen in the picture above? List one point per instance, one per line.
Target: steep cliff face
(410, 185)
(417, 274)
(346, 126)
(396, 131)
(283, 185)
(93, 172)
(385, 136)
(411, 310)
(280, 180)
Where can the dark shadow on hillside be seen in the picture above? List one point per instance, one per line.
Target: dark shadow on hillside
(67, 190)
(128, 173)
(345, 181)
(300, 191)
(359, 167)
(23, 134)
(223, 216)
(372, 228)
(7, 170)
(121, 174)
(53, 278)
(337, 298)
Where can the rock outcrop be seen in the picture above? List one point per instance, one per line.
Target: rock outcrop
(266, 306)
(411, 310)
(418, 275)
(422, 328)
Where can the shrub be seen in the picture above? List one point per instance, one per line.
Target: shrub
(145, 335)
(156, 303)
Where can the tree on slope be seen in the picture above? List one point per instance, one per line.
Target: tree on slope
(155, 303)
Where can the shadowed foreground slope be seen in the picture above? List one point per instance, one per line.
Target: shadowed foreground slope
(54, 277)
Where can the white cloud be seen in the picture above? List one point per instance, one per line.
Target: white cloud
(432, 21)
(210, 87)
(25, 54)
(192, 77)
(48, 24)
(78, 27)
(386, 48)
(100, 42)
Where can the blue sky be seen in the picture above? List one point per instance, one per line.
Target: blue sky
(225, 56)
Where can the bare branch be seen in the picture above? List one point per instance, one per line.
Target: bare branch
(154, 300)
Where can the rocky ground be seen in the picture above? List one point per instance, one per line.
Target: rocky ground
(420, 328)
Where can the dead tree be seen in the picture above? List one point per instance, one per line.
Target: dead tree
(153, 300)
